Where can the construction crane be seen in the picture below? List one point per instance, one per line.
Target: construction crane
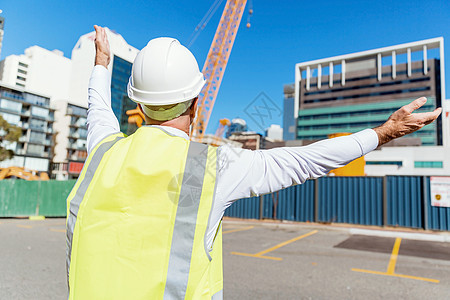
(214, 67)
(223, 124)
(216, 63)
(218, 136)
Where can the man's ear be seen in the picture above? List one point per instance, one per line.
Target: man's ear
(193, 109)
(142, 111)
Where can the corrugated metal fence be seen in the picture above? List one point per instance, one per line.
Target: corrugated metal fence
(34, 198)
(392, 200)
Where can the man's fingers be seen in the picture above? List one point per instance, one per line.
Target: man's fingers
(97, 30)
(428, 117)
(433, 115)
(105, 37)
(100, 33)
(409, 108)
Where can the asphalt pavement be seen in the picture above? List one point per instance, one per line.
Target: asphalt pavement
(261, 261)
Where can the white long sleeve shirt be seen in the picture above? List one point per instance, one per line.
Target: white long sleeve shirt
(241, 173)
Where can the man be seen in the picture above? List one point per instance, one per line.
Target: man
(144, 217)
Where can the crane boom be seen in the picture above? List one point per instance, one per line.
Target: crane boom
(216, 62)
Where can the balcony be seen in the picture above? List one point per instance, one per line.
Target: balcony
(10, 110)
(75, 146)
(23, 139)
(20, 152)
(12, 96)
(41, 154)
(23, 125)
(76, 111)
(77, 135)
(25, 113)
(38, 128)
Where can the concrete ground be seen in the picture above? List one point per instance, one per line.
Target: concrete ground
(261, 261)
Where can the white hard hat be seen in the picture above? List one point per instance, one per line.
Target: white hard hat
(164, 73)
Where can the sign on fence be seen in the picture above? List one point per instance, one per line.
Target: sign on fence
(440, 191)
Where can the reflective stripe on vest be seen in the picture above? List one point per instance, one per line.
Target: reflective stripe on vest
(74, 205)
(185, 221)
(138, 240)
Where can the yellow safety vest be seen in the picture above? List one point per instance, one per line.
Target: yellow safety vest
(137, 219)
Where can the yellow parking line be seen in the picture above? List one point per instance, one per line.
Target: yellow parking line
(396, 275)
(24, 226)
(256, 255)
(391, 266)
(238, 229)
(57, 230)
(394, 256)
(261, 253)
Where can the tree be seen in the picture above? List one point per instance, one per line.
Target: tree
(8, 133)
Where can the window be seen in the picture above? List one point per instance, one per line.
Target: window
(37, 137)
(39, 112)
(39, 164)
(396, 163)
(23, 65)
(11, 105)
(22, 71)
(21, 78)
(75, 110)
(82, 132)
(35, 99)
(35, 149)
(78, 121)
(20, 84)
(428, 164)
(11, 119)
(38, 124)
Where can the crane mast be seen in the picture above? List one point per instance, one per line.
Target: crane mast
(215, 64)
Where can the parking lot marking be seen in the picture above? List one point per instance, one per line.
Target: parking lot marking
(396, 275)
(391, 266)
(24, 226)
(394, 256)
(238, 229)
(261, 253)
(57, 230)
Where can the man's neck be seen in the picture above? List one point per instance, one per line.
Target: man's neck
(180, 123)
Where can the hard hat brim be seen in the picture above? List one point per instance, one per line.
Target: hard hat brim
(167, 97)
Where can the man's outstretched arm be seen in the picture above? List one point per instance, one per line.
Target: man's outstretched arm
(244, 173)
(101, 121)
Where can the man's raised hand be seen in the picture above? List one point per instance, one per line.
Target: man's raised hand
(102, 52)
(404, 121)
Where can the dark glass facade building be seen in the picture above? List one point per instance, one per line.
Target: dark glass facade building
(120, 102)
(288, 113)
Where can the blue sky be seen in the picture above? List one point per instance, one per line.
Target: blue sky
(282, 33)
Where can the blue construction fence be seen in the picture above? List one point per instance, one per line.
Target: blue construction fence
(403, 201)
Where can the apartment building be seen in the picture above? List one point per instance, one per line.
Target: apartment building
(31, 112)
